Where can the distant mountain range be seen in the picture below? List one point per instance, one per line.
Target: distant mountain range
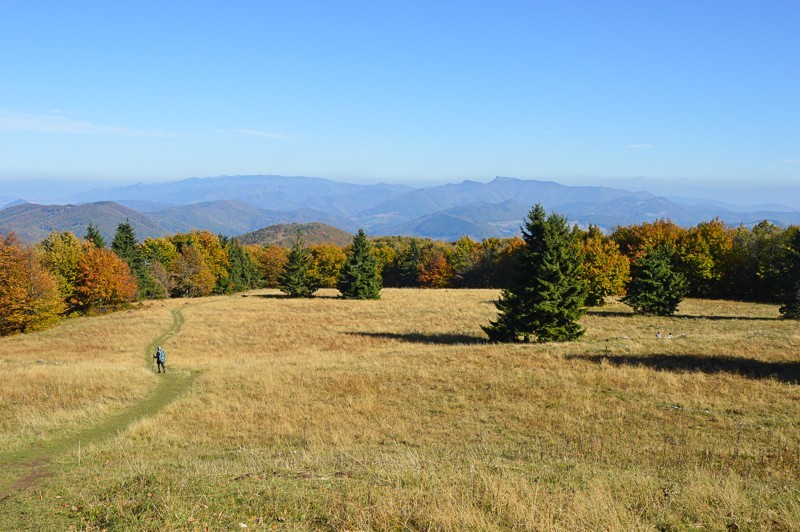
(235, 205)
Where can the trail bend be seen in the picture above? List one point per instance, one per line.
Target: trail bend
(28, 466)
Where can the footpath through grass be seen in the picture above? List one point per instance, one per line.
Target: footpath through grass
(23, 468)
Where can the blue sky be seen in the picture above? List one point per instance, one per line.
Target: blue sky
(413, 92)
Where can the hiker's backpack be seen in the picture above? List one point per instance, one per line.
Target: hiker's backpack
(161, 356)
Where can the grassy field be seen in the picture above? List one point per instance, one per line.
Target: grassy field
(395, 414)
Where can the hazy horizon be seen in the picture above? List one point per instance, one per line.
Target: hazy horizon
(784, 194)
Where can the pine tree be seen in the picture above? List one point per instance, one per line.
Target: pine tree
(655, 286)
(359, 277)
(547, 294)
(295, 279)
(93, 235)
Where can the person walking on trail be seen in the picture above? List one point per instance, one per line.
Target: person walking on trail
(160, 357)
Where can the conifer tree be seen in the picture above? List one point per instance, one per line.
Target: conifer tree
(409, 266)
(126, 247)
(359, 277)
(655, 286)
(296, 279)
(547, 294)
(93, 235)
(242, 268)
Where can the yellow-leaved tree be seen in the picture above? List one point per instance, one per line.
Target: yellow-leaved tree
(29, 296)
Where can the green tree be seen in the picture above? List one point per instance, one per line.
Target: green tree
(126, 246)
(790, 309)
(655, 286)
(359, 277)
(546, 297)
(93, 235)
(409, 265)
(296, 279)
(242, 268)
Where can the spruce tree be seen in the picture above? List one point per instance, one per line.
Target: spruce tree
(655, 287)
(126, 246)
(295, 279)
(546, 297)
(93, 235)
(359, 278)
(242, 269)
(409, 265)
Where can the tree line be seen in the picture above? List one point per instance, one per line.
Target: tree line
(652, 266)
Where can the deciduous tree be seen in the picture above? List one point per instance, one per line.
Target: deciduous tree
(605, 269)
(29, 295)
(326, 263)
(105, 282)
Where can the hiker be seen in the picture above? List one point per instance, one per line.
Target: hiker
(160, 357)
(658, 335)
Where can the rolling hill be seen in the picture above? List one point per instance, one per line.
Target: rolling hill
(285, 234)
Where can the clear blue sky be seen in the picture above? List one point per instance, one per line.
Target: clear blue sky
(401, 91)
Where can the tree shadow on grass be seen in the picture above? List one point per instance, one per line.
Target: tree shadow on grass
(784, 371)
(425, 338)
(618, 314)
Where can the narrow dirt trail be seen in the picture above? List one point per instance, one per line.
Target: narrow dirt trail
(26, 467)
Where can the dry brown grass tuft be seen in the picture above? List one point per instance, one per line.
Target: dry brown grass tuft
(395, 413)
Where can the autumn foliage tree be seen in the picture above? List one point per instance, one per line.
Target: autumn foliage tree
(326, 262)
(191, 276)
(605, 269)
(61, 253)
(435, 271)
(270, 262)
(105, 282)
(29, 296)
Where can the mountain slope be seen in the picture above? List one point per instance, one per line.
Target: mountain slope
(34, 222)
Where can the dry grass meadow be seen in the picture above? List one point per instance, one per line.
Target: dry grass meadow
(395, 414)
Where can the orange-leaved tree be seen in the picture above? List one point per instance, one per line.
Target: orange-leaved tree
(270, 260)
(104, 282)
(435, 271)
(29, 297)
